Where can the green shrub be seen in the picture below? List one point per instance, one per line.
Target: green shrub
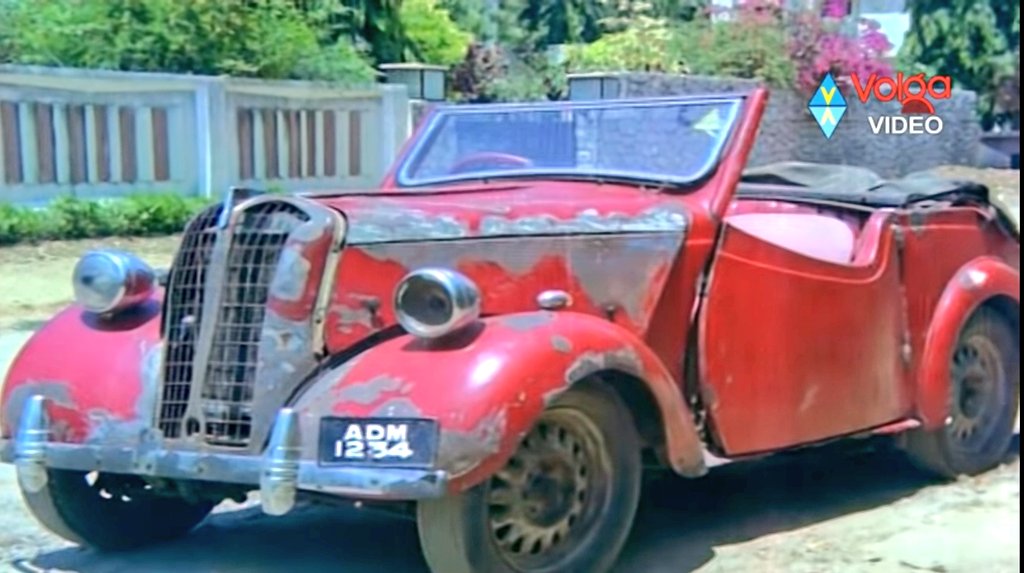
(432, 35)
(67, 217)
(740, 48)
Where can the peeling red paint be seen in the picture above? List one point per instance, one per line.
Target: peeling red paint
(90, 387)
(508, 366)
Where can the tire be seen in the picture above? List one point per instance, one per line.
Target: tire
(984, 398)
(542, 513)
(112, 512)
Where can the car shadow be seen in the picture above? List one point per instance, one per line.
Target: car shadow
(679, 525)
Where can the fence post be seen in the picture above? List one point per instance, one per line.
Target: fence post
(394, 126)
(212, 137)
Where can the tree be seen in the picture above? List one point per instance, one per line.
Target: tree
(256, 38)
(432, 37)
(969, 40)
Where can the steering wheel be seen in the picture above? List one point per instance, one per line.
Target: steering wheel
(486, 159)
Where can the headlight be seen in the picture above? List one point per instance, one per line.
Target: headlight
(430, 303)
(107, 281)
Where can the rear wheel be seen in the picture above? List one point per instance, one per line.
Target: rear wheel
(111, 512)
(565, 501)
(984, 398)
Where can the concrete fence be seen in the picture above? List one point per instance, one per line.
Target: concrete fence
(99, 134)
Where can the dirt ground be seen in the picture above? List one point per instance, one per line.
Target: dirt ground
(843, 508)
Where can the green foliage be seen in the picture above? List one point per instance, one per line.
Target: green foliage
(972, 41)
(529, 78)
(646, 44)
(257, 38)
(432, 36)
(734, 48)
(72, 218)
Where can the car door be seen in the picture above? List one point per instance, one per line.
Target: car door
(798, 342)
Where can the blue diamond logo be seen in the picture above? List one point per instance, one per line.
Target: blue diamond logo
(827, 105)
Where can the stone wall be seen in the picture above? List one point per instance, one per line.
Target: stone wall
(789, 133)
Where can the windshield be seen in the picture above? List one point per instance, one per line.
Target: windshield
(662, 141)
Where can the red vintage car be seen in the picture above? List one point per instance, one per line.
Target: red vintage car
(540, 302)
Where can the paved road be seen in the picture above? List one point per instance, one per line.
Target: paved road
(828, 511)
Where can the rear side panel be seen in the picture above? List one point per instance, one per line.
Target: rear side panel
(955, 260)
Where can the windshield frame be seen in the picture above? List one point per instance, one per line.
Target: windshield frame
(433, 122)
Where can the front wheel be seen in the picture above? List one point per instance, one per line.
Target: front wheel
(983, 401)
(564, 503)
(111, 512)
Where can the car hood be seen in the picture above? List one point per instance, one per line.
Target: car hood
(508, 210)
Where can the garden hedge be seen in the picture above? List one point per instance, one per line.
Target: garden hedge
(139, 215)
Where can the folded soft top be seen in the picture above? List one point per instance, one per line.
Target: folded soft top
(862, 186)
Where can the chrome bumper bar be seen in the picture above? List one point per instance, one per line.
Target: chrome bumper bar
(279, 472)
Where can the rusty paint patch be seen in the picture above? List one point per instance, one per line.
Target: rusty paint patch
(609, 269)
(623, 359)
(460, 451)
(291, 276)
(627, 271)
(312, 230)
(397, 224)
(667, 218)
(515, 256)
(527, 321)
(561, 344)
(365, 315)
(107, 429)
(368, 392)
(285, 358)
(398, 408)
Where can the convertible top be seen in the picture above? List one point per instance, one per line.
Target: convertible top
(862, 186)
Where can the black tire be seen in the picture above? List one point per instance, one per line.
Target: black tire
(494, 527)
(984, 398)
(113, 512)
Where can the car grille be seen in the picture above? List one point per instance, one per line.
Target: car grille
(225, 399)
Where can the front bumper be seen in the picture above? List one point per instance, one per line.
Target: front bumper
(279, 472)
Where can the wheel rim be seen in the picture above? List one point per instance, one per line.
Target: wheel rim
(977, 383)
(543, 504)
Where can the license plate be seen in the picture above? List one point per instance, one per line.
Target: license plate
(378, 441)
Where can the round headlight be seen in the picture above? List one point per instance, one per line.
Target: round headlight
(107, 281)
(430, 303)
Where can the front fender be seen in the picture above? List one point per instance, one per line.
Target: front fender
(488, 387)
(976, 282)
(101, 376)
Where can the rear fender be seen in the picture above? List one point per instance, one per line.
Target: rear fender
(487, 386)
(101, 375)
(975, 283)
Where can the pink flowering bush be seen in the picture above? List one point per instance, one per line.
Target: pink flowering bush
(820, 45)
(755, 39)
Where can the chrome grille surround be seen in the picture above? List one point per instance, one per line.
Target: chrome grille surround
(216, 316)
(183, 306)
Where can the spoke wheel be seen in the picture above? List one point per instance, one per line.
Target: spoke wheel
(984, 393)
(563, 502)
(977, 375)
(551, 492)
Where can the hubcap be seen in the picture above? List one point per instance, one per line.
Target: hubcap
(977, 376)
(544, 502)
